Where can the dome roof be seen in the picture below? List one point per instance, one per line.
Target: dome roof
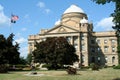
(84, 20)
(73, 8)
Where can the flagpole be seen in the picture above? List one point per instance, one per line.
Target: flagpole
(10, 25)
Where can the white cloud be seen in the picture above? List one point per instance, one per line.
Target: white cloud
(21, 40)
(47, 10)
(105, 23)
(22, 44)
(43, 7)
(57, 22)
(27, 18)
(1, 8)
(4, 20)
(23, 51)
(24, 29)
(41, 4)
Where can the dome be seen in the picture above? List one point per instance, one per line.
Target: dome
(84, 20)
(73, 8)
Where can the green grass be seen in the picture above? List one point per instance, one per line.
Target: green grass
(102, 74)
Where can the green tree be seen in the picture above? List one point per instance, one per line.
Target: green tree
(22, 61)
(29, 58)
(116, 20)
(55, 51)
(8, 52)
(2, 50)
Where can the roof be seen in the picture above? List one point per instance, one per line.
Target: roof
(73, 8)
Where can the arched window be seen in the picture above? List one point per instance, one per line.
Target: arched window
(113, 59)
(99, 59)
(106, 58)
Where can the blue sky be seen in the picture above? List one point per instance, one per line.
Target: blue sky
(42, 14)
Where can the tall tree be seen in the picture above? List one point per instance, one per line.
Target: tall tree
(55, 51)
(116, 20)
(8, 52)
(29, 58)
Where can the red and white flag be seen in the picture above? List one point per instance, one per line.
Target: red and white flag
(14, 18)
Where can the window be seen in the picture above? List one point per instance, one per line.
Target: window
(68, 39)
(82, 24)
(83, 47)
(113, 59)
(106, 49)
(106, 58)
(113, 41)
(43, 39)
(92, 41)
(93, 59)
(30, 44)
(75, 39)
(99, 59)
(82, 37)
(98, 49)
(98, 41)
(113, 49)
(92, 50)
(76, 46)
(105, 41)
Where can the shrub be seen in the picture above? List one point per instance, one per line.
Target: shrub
(27, 69)
(48, 66)
(105, 66)
(3, 68)
(18, 67)
(94, 66)
(72, 70)
(117, 67)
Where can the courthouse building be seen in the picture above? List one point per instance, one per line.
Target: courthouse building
(91, 47)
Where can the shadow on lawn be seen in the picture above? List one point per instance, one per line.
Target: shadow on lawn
(116, 79)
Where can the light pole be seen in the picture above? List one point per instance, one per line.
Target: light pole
(33, 65)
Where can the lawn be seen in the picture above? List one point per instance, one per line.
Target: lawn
(102, 74)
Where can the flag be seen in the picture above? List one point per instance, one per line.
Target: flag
(14, 18)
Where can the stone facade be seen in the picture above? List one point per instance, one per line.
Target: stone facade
(91, 47)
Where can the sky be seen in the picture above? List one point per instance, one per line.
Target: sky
(35, 15)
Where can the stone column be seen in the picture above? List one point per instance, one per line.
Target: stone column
(71, 40)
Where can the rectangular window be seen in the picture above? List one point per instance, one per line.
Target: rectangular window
(113, 41)
(30, 44)
(82, 37)
(75, 39)
(92, 49)
(105, 41)
(98, 49)
(106, 58)
(68, 39)
(83, 47)
(106, 49)
(113, 49)
(76, 46)
(92, 41)
(98, 41)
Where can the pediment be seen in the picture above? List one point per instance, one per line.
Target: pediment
(61, 29)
